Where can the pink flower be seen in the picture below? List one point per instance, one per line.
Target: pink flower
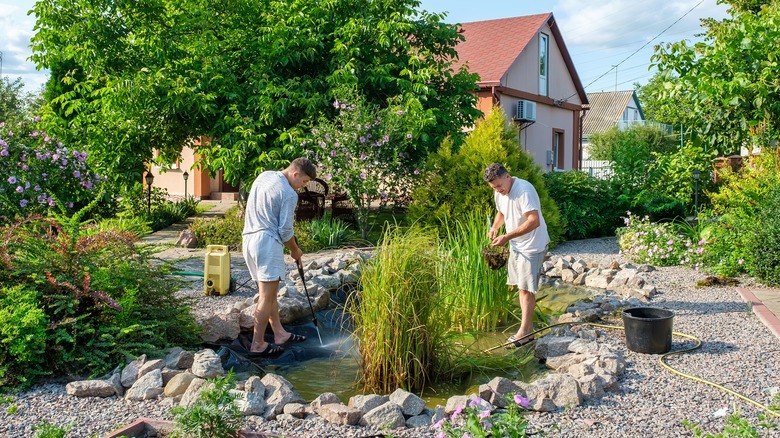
(522, 401)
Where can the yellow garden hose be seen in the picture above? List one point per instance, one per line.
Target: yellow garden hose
(661, 360)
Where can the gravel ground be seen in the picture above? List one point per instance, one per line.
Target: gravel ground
(738, 352)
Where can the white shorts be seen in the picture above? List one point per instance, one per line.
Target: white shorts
(264, 257)
(523, 270)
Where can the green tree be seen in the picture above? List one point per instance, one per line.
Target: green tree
(251, 76)
(454, 187)
(731, 78)
(15, 103)
(609, 145)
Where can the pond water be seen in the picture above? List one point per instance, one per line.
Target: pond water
(313, 368)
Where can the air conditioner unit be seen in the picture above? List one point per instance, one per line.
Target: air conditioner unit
(526, 111)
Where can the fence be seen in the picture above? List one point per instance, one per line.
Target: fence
(597, 168)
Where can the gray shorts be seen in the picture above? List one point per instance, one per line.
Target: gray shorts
(523, 270)
(264, 257)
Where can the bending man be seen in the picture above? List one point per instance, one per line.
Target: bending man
(519, 209)
(268, 228)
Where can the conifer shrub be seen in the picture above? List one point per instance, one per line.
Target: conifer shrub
(453, 186)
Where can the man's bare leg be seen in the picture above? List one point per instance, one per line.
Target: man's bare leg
(527, 306)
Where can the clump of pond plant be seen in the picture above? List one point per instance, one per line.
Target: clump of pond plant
(401, 334)
(411, 332)
(476, 296)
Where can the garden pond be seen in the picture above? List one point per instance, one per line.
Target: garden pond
(314, 369)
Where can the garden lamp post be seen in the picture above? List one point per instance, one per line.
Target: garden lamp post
(149, 179)
(186, 176)
(696, 176)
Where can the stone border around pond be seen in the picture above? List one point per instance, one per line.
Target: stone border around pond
(581, 366)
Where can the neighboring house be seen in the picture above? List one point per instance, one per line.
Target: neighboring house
(608, 109)
(525, 68)
(198, 184)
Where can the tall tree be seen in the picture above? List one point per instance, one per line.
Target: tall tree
(731, 79)
(250, 75)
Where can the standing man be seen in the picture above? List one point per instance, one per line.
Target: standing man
(520, 210)
(268, 228)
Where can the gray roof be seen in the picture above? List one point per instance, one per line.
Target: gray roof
(606, 108)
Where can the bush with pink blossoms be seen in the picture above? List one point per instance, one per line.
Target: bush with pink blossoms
(478, 421)
(38, 172)
(661, 243)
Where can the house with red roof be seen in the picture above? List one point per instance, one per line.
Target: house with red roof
(525, 68)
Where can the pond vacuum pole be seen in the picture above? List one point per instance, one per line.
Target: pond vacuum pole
(306, 289)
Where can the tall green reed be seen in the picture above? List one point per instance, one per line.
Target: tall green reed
(476, 296)
(401, 334)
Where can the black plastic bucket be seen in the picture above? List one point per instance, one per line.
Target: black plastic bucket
(648, 329)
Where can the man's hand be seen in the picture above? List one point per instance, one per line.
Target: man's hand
(500, 240)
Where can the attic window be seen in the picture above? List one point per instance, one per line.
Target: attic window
(544, 63)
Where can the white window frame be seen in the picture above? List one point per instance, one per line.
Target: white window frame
(544, 64)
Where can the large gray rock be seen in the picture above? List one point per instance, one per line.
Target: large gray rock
(410, 404)
(386, 416)
(178, 384)
(339, 413)
(548, 346)
(147, 387)
(554, 392)
(278, 392)
(248, 403)
(179, 359)
(193, 392)
(207, 364)
(90, 388)
(223, 325)
(130, 371)
(498, 391)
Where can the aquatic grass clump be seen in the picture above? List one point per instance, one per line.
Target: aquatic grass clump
(401, 332)
(477, 296)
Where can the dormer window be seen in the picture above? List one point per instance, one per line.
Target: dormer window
(544, 64)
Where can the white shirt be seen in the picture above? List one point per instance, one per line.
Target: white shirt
(521, 199)
(270, 206)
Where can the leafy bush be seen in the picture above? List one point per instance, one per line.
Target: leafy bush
(588, 205)
(213, 415)
(454, 186)
(39, 172)
(155, 209)
(223, 231)
(90, 299)
(763, 241)
(659, 244)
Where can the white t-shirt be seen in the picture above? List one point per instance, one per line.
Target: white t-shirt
(521, 199)
(270, 207)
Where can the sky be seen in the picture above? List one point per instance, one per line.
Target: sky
(599, 34)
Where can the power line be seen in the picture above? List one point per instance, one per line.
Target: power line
(643, 46)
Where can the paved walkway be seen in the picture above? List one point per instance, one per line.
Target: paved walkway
(766, 305)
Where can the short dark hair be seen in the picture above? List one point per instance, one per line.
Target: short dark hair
(494, 171)
(304, 165)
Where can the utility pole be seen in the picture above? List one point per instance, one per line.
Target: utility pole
(616, 71)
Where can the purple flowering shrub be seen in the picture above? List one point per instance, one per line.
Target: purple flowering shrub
(38, 172)
(367, 152)
(478, 420)
(661, 243)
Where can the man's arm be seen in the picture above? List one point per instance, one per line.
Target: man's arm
(531, 223)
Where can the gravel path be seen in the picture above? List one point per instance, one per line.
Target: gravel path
(739, 352)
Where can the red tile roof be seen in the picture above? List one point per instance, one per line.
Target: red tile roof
(492, 46)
